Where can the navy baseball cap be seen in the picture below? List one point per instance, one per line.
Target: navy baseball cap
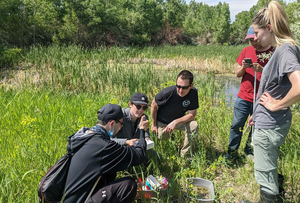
(251, 33)
(139, 98)
(110, 112)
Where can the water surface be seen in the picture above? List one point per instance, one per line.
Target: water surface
(230, 86)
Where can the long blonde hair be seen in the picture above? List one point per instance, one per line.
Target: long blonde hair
(275, 15)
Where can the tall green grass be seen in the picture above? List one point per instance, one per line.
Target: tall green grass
(52, 54)
(61, 90)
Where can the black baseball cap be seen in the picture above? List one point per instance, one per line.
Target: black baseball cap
(139, 98)
(110, 112)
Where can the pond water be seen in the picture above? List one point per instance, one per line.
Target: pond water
(230, 85)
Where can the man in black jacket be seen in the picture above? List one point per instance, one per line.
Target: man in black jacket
(102, 157)
(130, 132)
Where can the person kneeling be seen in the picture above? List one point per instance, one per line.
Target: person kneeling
(102, 157)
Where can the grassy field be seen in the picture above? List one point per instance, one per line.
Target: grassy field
(54, 91)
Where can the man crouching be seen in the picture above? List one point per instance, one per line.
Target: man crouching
(101, 157)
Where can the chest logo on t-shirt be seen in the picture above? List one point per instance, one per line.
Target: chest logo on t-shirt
(186, 103)
(264, 57)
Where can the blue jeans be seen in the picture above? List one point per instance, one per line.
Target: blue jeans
(242, 109)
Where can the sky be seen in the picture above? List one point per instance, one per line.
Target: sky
(235, 6)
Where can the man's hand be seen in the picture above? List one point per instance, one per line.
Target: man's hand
(170, 127)
(245, 65)
(268, 101)
(144, 124)
(154, 129)
(257, 67)
(250, 121)
(131, 142)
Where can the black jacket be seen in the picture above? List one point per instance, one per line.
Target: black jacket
(99, 156)
(130, 129)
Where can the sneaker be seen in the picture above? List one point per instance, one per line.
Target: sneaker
(232, 154)
(248, 151)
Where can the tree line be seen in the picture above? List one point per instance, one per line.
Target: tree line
(126, 22)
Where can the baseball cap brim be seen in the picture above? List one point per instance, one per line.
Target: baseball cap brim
(250, 36)
(140, 102)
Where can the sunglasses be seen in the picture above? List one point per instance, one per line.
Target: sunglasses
(140, 106)
(119, 122)
(183, 87)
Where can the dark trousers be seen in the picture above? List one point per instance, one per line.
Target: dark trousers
(122, 190)
(242, 110)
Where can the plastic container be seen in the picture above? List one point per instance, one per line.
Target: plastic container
(147, 194)
(152, 187)
(200, 182)
(150, 144)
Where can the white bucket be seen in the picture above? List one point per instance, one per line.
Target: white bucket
(200, 182)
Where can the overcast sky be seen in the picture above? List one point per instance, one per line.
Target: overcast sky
(235, 6)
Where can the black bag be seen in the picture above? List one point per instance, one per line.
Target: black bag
(51, 187)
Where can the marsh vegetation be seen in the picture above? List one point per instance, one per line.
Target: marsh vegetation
(55, 91)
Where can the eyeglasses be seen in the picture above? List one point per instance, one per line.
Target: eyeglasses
(183, 87)
(119, 122)
(140, 106)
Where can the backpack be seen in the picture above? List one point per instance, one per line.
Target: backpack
(51, 187)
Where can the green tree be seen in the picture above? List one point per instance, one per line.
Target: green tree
(174, 12)
(117, 21)
(293, 12)
(198, 21)
(68, 29)
(44, 18)
(243, 20)
(144, 19)
(96, 20)
(13, 23)
(240, 27)
(190, 25)
(221, 23)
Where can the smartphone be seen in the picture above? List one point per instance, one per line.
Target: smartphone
(248, 60)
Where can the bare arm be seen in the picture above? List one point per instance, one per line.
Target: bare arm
(240, 71)
(184, 119)
(292, 97)
(154, 108)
